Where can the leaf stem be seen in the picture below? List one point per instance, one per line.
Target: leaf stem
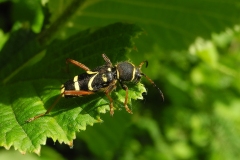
(46, 36)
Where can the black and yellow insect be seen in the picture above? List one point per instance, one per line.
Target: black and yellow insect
(101, 79)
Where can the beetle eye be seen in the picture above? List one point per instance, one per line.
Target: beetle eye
(138, 77)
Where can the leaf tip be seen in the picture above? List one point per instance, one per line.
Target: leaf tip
(70, 144)
(37, 151)
(103, 109)
(99, 120)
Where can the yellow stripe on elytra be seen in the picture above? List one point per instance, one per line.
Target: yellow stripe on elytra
(90, 81)
(91, 72)
(133, 74)
(76, 84)
(62, 90)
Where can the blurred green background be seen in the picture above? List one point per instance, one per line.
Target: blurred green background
(193, 52)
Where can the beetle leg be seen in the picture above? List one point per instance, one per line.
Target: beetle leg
(77, 93)
(107, 92)
(78, 64)
(111, 103)
(71, 92)
(43, 114)
(126, 97)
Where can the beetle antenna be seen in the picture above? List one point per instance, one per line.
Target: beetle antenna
(140, 65)
(153, 85)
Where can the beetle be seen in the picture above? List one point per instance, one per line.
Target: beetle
(101, 79)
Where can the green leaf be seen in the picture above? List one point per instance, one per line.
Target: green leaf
(171, 25)
(109, 135)
(31, 83)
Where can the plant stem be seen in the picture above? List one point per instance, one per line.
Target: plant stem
(46, 36)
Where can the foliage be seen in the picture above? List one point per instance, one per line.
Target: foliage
(37, 89)
(199, 118)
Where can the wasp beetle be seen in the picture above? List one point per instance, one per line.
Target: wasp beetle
(101, 79)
